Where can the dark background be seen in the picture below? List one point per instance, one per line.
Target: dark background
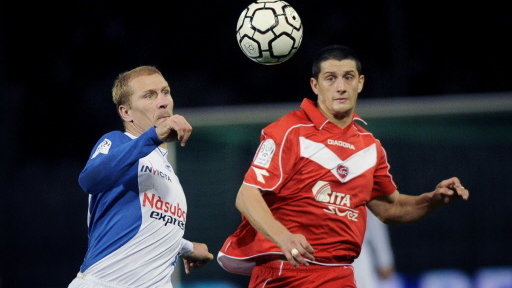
(59, 61)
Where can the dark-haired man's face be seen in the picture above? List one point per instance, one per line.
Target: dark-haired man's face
(337, 88)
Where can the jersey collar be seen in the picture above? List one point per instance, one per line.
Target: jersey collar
(314, 114)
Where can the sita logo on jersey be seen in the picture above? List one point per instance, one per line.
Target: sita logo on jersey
(336, 202)
(340, 143)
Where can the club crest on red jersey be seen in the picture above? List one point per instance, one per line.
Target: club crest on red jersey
(342, 170)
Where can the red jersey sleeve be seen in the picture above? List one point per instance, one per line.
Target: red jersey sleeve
(274, 159)
(383, 180)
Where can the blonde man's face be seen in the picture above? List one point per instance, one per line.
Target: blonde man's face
(151, 100)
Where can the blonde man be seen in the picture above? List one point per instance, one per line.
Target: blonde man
(137, 208)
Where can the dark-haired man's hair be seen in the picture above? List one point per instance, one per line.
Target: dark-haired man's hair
(334, 52)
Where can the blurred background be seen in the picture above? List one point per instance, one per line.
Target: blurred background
(437, 93)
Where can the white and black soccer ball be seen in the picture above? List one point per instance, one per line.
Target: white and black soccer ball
(269, 31)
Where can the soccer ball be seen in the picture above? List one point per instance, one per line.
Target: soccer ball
(269, 31)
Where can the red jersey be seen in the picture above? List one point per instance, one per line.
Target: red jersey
(316, 179)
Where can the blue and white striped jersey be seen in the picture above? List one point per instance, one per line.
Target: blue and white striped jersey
(137, 212)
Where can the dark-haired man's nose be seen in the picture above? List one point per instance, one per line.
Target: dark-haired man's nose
(340, 86)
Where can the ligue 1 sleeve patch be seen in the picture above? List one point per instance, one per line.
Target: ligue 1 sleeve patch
(102, 148)
(265, 153)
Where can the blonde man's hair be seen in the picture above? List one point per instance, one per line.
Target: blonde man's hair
(121, 91)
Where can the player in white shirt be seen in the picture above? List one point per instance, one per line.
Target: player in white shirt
(137, 208)
(376, 262)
